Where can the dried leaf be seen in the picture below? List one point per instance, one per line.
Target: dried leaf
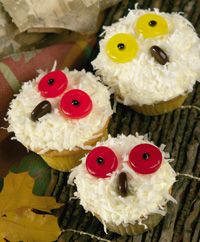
(51, 15)
(17, 221)
(28, 226)
(7, 33)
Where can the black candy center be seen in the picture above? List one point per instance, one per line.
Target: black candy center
(51, 81)
(152, 23)
(100, 160)
(75, 102)
(121, 46)
(146, 156)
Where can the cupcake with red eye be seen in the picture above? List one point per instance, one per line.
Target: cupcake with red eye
(126, 183)
(59, 115)
(150, 59)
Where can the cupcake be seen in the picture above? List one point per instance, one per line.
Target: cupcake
(126, 183)
(59, 114)
(151, 60)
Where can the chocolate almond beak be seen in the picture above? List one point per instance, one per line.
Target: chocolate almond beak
(122, 184)
(159, 55)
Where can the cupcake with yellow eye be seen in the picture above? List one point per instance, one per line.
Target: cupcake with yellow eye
(150, 59)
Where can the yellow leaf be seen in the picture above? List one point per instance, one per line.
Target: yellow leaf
(2, 238)
(17, 192)
(29, 227)
(17, 221)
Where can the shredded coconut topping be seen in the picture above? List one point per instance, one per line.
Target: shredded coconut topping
(147, 193)
(53, 131)
(143, 80)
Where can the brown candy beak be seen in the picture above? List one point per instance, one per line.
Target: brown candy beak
(159, 55)
(122, 184)
(40, 110)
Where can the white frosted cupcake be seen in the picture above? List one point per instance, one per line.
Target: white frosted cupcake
(125, 182)
(151, 60)
(59, 114)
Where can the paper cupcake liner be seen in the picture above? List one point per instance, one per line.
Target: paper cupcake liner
(134, 229)
(66, 160)
(161, 107)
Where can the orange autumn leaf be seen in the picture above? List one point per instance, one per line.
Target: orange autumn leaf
(17, 221)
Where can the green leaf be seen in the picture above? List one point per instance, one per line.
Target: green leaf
(37, 169)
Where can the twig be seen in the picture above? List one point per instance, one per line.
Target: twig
(188, 176)
(92, 236)
(190, 107)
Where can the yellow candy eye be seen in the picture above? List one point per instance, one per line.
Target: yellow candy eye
(151, 25)
(122, 48)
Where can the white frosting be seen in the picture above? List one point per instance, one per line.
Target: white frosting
(143, 80)
(53, 131)
(147, 194)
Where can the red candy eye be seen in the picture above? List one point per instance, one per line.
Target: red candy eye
(53, 84)
(101, 162)
(76, 104)
(145, 158)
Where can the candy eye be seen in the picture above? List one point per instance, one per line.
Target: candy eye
(75, 104)
(122, 48)
(53, 84)
(101, 162)
(145, 158)
(151, 25)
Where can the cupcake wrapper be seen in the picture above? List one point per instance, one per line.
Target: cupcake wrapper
(66, 160)
(161, 107)
(135, 229)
